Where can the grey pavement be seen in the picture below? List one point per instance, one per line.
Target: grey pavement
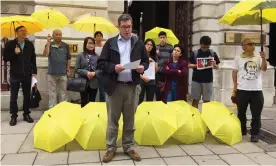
(17, 149)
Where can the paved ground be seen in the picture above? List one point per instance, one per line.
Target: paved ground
(17, 149)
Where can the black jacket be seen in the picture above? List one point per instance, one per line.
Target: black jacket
(23, 64)
(110, 57)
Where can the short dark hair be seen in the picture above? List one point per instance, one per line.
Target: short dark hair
(205, 40)
(85, 51)
(125, 17)
(98, 33)
(162, 33)
(18, 28)
(179, 46)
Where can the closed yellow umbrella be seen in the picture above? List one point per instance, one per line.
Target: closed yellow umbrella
(93, 24)
(9, 24)
(56, 128)
(191, 128)
(51, 18)
(92, 134)
(222, 122)
(154, 123)
(153, 34)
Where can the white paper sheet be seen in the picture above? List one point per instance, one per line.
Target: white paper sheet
(132, 65)
(150, 72)
(34, 81)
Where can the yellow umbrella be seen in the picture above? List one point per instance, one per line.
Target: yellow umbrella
(93, 24)
(55, 129)
(257, 12)
(190, 126)
(9, 24)
(222, 122)
(64, 106)
(154, 123)
(51, 18)
(153, 34)
(92, 134)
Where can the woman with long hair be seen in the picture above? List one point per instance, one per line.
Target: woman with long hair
(148, 86)
(86, 63)
(176, 75)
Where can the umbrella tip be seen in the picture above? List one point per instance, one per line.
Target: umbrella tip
(231, 113)
(98, 115)
(193, 114)
(148, 112)
(49, 115)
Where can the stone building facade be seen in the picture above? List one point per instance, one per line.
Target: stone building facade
(204, 22)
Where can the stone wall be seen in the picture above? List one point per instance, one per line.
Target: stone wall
(206, 16)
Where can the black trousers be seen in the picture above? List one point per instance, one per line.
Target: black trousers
(159, 78)
(88, 96)
(149, 90)
(26, 88)
(256, 101)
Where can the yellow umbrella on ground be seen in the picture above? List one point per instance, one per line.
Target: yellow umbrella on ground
(248, 12)
(154, 123)
(51, 18)
(190, 126)
(93, 24)
(92, 134)
(153, 34)
(9, 24)
(222, 122)
(56, 128)
(64, 106)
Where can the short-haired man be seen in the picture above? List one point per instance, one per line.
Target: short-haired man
(120, 85)
(21, 55)
(247, 80)
(164, 52)
(98, 50)
(202, 80)
(59, 60)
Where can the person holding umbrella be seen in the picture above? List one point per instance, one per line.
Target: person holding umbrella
(21, 55)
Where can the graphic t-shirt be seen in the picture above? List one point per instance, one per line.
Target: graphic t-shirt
(249, 72)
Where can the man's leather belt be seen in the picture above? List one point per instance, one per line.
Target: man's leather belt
(125, 83)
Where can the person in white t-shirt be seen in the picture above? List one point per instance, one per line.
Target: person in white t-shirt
(247, 81)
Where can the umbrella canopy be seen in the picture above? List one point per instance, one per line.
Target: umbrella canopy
(56, 128)
(153, 34)
(93, 24)
(222, 122)
(250, 13)
(9, 24)
(92, 134)
(154, 123)
(190, 126)
(51, 18)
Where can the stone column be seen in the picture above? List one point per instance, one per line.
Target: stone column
(206, 16)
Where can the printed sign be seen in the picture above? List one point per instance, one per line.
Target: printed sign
(204, 63)
(73, 48)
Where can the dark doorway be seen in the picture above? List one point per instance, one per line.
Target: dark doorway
(155, 13)
(272, 47)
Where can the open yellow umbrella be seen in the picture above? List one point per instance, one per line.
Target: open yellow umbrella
(9, 24)
(92, 134)
(51, 18)
(154, 123)
(251, 12)
(222, 122)
(190, 126)
(56, 128)
(93, 24)
(153, 34)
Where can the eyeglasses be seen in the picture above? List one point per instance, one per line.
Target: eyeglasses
(126, 27)
(250, 44)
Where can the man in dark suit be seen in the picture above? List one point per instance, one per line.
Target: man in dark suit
(21, 55)
(120, 85)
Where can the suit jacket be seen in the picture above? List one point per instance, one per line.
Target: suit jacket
(110, 57)
(82, 69)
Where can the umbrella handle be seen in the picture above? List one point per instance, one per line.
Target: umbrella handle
(262, 47)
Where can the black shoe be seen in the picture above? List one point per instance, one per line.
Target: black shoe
(254, 138)
(13, 121)
(28, 119)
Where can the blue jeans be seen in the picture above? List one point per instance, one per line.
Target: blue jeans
(172, 93)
